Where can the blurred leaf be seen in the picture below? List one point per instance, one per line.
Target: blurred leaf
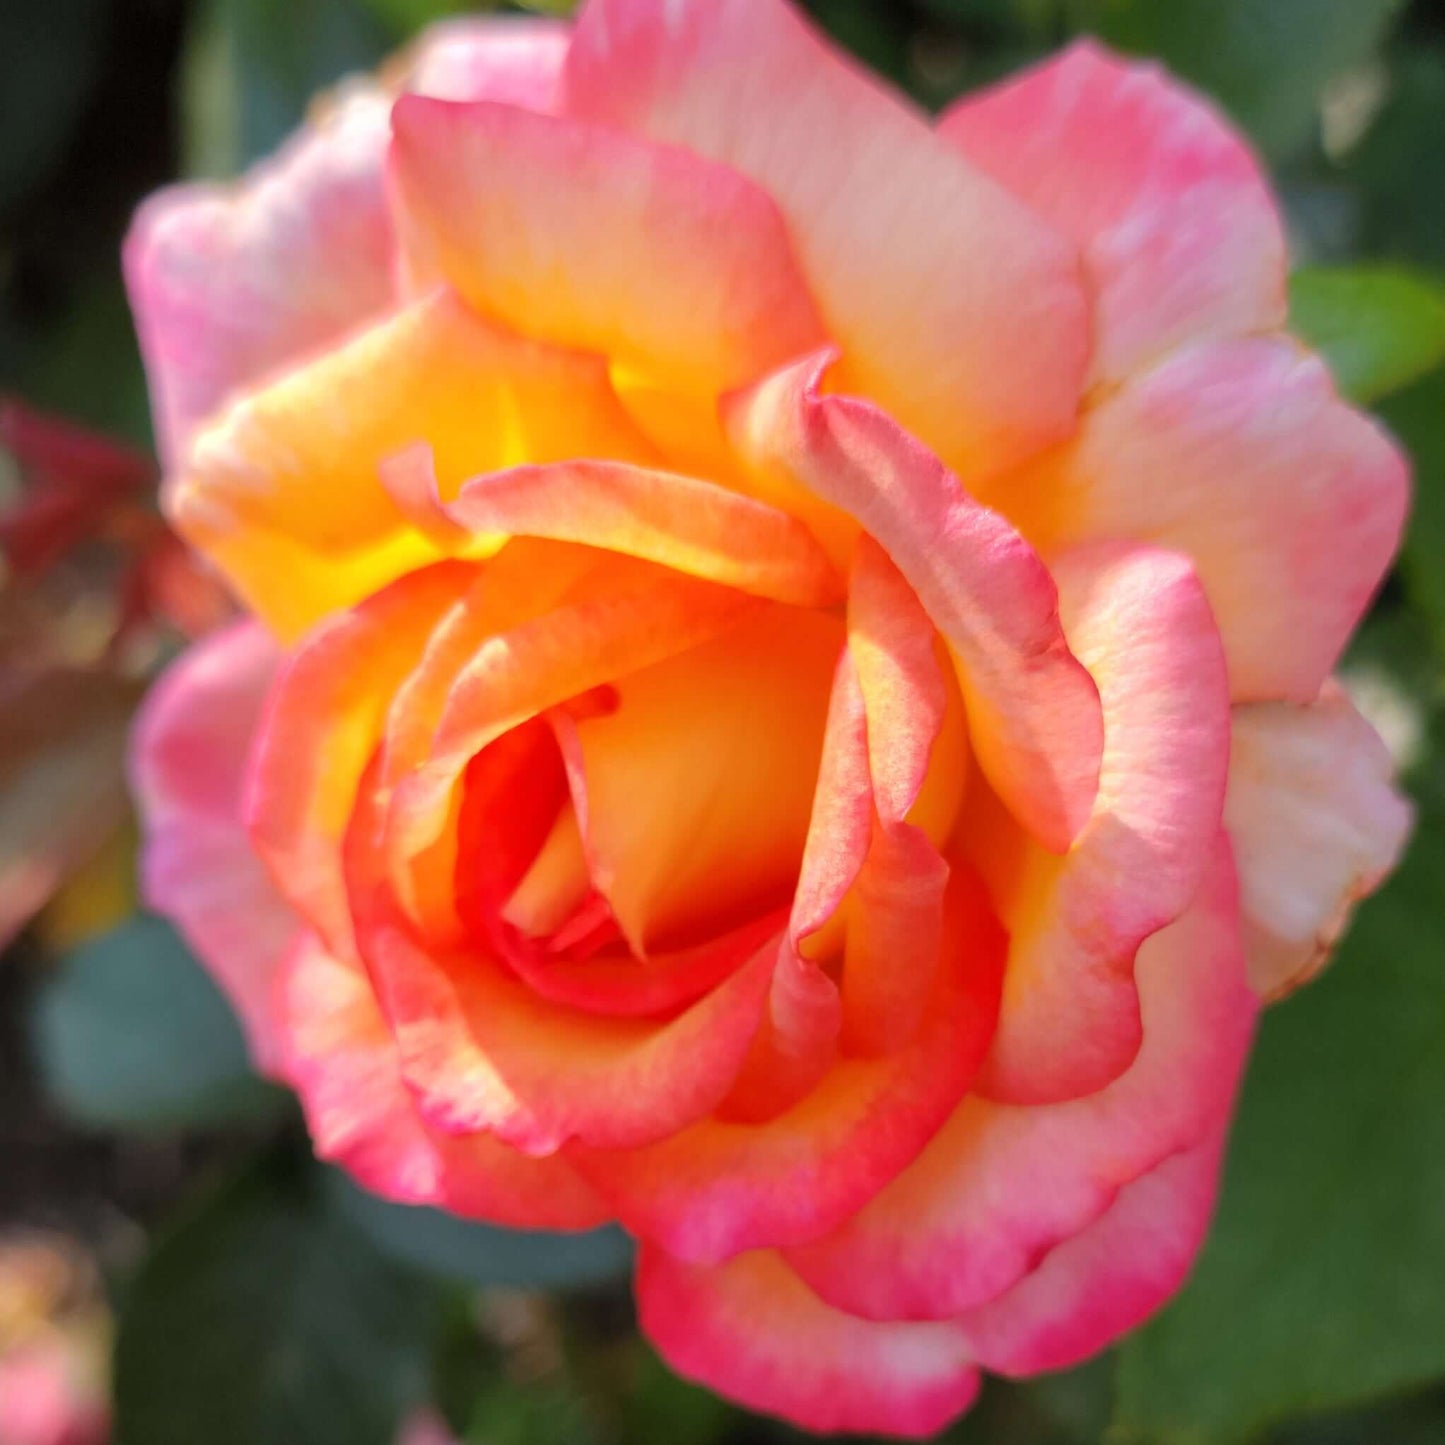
(48, 56)
(1417, 417)
(1071, 1407)
(1266, 61)
(405, 18)
(86, 365)
(98, 896)
(1399, 169)
(876, 34)
(663, 1406)
(253, 67)
(510, 1412)
(62, 783)
(1379, 327)
(1318, 1287)
(1419, 1421)
(265, 1318)
(483, 1254)
(131, 1032)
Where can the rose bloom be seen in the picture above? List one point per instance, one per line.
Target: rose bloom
(787, 695)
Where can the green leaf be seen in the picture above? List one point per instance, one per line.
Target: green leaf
(1417, 416)
(132, 1032)
(253, 67)
(483, 1254)
(1379, 327)
(265, 1318)
(1399, 168)
(1317, 1289)
(1266, 61)
(510, 1412)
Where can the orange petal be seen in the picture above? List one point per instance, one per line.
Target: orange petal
(538, 664)
(323, 723)
(698, 782)
(284, 491)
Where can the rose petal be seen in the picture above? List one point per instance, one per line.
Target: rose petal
(284, 491)
(231, 284)
(587, 237)
(1109, 1278)
(799, 1035)
(512, 59)
(1033, 711)
(690, 526)
(1316, 825)
(894, 914)
(1000, 1185)
(320, 728)
(541, 663)
(485, 1053)
(1180, 237)
(753, 1331)
(720, 1187)
(699, 781)
(1137, 619)
(955, 308)
(188, 763)
(1289, 502)
(342, 1062)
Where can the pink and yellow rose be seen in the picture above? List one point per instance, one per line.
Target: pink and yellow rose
(788, 693)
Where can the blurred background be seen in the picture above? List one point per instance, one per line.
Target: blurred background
(173, 1265)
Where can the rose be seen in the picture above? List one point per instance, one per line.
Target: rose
(790, 696)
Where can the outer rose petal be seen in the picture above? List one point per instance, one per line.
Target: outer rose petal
(588, 237)
(285, 491)
(342, 1061)
(1289, 502)
(1137, 619)
(1179, 234)
(1316, 825)
(229, 286)
(515, 60)
(753, 1331)
(232, 283)
(1108, 1278)
(187, 767)
(1000, 1185)
(955, 308)
(1033, 711)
